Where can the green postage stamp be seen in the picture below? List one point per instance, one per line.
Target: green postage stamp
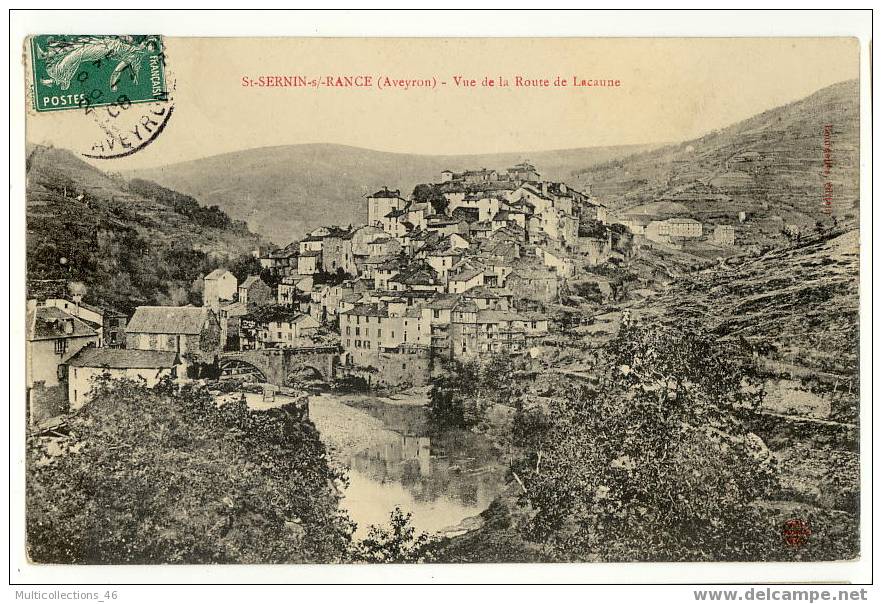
(87, 71)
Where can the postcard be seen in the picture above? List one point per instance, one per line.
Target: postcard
(358, 300)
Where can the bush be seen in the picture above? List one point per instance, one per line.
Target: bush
(153, 476)
(395, 544)
(656, 463)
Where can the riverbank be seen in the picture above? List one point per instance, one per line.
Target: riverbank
(347, 430)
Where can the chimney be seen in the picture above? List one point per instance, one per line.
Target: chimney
(68, 326)
(77, 299)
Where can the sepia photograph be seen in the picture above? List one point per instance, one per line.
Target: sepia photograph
(441, 300)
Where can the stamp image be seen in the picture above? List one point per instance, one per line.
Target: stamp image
(120, 83)
(79, 72)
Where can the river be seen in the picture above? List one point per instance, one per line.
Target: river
(394, 459)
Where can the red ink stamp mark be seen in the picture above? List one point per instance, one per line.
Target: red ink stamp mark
(796, 532)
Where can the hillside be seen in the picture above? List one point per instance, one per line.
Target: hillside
(129, 243)
(283, 192)
(768, 165)
(797, 307)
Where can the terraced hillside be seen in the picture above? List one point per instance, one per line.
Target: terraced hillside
(796, 308)
(771, 165)
(129, 243)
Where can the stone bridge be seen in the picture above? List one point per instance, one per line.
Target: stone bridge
(275, 365)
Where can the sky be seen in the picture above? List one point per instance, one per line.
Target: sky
(671, 89)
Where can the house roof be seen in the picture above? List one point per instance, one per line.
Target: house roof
(217, 274)
(379, 260)
(98, 310)
(351, 297)
(420, 275)
(368, 310)
(102, 310)
(467, 214)
(444, 301)
(466, 306)
(480, 291)
(274, 314)
(495, 316)
(251, 280)
(306, 321)
(467, 274)
(386, 193)
(391, 264)
(124, 358)
(48, 323)
(168, 319)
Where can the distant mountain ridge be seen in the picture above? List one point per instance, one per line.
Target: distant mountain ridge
(769, 166)
(283, 192)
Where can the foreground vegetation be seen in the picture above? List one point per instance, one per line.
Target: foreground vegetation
(653, 459)
(165, 475)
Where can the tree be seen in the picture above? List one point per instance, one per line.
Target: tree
(395, 544)
(654, 464)
(164, 475)
(453, 398)
(423, 193)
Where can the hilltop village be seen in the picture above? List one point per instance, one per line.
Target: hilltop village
(475, 263)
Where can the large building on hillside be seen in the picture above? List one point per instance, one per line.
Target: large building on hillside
(381, 203)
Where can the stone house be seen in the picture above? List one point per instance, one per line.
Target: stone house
(254, 292)
(309, 263)
(89, 363)
(52, 338)
(276, 327)
(337, 252)
(218, 285)
(193, 332)
(533, 284)
(381, 203)
(108, 323)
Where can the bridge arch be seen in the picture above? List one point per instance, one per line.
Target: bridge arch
(275, 365)
(242, 368)
(306, 371)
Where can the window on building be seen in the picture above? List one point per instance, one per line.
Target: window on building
(379, 333)
(60, 346)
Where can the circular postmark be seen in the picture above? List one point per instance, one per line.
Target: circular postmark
(795, 532)
(121, 84)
